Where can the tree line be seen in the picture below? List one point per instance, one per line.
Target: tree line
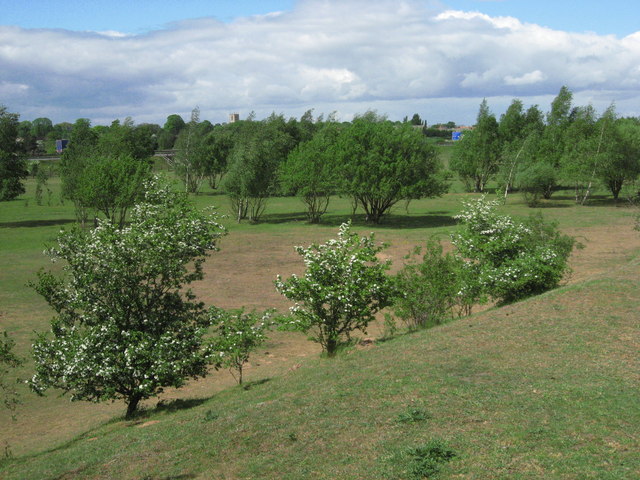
(371, 160)
(571, 146)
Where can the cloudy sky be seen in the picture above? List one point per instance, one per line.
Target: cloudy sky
(148, 59)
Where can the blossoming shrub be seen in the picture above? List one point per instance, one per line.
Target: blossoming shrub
(237, 334)
(513, 259)
(125, 327)
(343, 287)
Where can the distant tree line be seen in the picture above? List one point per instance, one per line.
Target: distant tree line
(371, 160)
(572, 146)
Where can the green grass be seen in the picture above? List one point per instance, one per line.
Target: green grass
(546, 388)
(542, 389)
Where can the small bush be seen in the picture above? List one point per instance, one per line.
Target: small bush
(237, 335)
(342, 289)
(427, 291)
(538, 180)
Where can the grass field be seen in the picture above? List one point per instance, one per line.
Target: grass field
(545, 388)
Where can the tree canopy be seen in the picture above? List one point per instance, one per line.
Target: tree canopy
(13, 167)
(125, 326)
(381, 163)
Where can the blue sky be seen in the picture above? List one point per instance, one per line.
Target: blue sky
(140, 16)
(438, 58)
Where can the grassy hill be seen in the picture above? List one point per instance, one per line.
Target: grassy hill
(546, 388)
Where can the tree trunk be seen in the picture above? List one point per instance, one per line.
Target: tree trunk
(132, 405)
(331, 347)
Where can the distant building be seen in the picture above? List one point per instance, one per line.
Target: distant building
(61, 145)
(234, 117)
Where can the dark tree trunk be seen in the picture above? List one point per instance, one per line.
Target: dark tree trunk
(132, 405)
(332, 346)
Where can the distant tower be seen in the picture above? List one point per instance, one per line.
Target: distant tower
(234, 117)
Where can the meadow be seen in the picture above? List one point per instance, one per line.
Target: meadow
(545, 388)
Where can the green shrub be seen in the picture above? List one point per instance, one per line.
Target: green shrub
(513, 259)
(342, 289)
(237, 335)
(426, 291)
(538, 180)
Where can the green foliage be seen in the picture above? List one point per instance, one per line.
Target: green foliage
(125, 327)
(476, 156)
(310, 172)
(422, 462)
(343, 287)
(219, 144)
(111, 185)
(237, 334)
(427, 291)
(8, 361)
(536, 181)
(169, 133)
(416, 120)
(105, 172)
(620, 158)
(191, 162)
(413, 415)
(381, 163)
(125, 139)
(42, 175)
(13, 167)
(513, 260)
(259, 147)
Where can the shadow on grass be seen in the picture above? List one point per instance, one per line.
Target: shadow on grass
(275, 218)
(592, 201)
(36, 223)
(255, 383)
(432, 220)
(138, 418)
(393, 221)
(177, 404)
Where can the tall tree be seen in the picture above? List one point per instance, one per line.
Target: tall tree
(259, 148)
(170, 131)
(581, 150)
(41, 127)
(381, 164)
(476, 156)
(104, 172)
(310, 172)
(191, 160)
(622, 161)
(13, 167)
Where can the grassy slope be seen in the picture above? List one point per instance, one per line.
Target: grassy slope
(542, 389)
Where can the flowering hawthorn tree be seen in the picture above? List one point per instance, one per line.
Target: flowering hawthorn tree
(344, 286)
(511, 259)
(124, 325)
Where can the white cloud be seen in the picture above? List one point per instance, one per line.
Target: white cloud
(347, 55)
(527, 79)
